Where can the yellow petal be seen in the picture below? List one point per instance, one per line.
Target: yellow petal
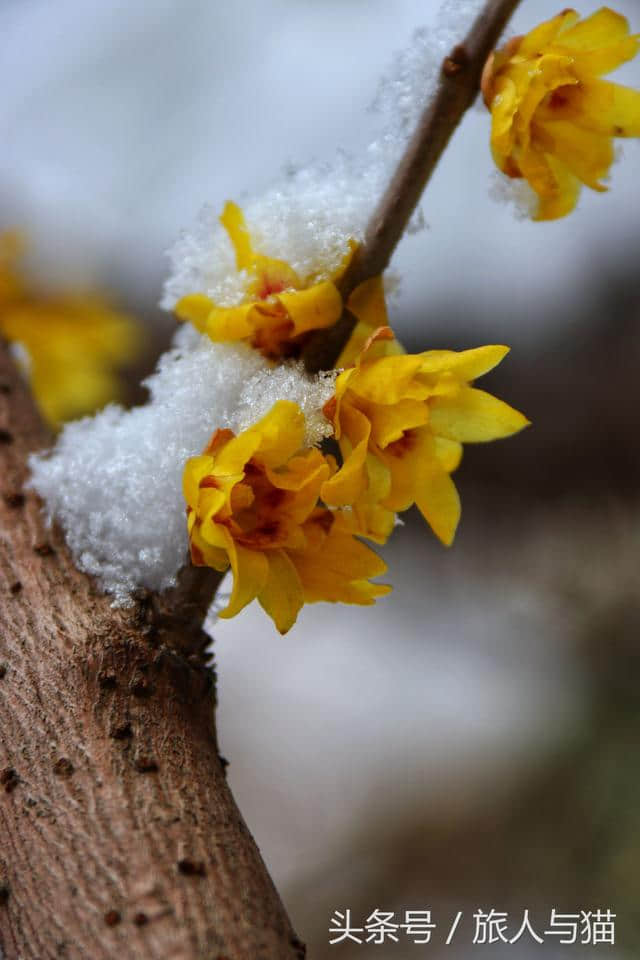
(250, 573)
(563, 199)
(389, 421)
(557, 188)
(367, 303)
(194, 470)
(233, 221)
(586, 154)
(351, 479)
(448, 452)
(280, 432)
(438, 502)
(594, 63)
(303, 485)
(601, 29)
(474, 416)
(282, 596)
(228, 324)
(379, 477)
(386, 380)
(503, 110)
(204, 554)
(464, 364)
(210, 502)
(233, 457)
(339, 572)
(272, 277)
(315, 308)
(548, 74)
(195, 308)
(545, 33)
(606, 108)
(410, 462)
(369, 519)
(299, 471)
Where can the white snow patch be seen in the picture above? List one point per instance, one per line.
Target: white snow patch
(114, 481)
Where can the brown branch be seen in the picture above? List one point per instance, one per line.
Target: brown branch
(457, 89)
(119, 837)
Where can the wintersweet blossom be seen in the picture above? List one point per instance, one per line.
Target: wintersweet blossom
(400, 421)
(553, 118)
(279, 307)
(71, 343)
(368, 305)
(253, 506)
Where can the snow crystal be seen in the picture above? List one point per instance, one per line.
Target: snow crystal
(516, 193)
(114, 481)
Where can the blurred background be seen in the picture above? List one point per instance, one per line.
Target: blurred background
(472, 741)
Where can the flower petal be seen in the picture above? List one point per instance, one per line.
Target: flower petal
(282, 595)
(315, 308)
(389, 421)
(594, 63)
(545, 33)
(606, 108)
(439, 503)
(340, 569)
(195, 308)
(196, 468)
(232, 219)
(448, 452)
(586, 154)
(474, 416)
(386, 380)
(601, 29)
(225, 324)
(280, 432)
(349, 483)
(250, 573)
(464, 364)
(557, 187)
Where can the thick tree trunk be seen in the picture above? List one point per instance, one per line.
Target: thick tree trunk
(118, 834)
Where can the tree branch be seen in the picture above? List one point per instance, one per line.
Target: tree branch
(457, 89)
(120, 837)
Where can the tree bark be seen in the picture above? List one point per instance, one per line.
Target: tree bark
(119, 836)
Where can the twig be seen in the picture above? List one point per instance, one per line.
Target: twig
(457, 89)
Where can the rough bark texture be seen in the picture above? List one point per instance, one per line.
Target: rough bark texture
(118, 834)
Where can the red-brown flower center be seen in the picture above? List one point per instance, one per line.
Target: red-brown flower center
(258, 510)
(404, 445)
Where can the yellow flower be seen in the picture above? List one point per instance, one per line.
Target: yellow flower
(400, 421)
(73, 342)
(279, 309)
(368, 306)
(253, 505)
(553, 118)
